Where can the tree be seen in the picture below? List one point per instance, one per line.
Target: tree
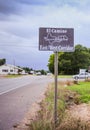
(81, 58)
(2, 61)
(27, 69)
(43, 72)
(51, 63)
(71, 62)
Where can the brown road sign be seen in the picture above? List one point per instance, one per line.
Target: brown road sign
(56, 39)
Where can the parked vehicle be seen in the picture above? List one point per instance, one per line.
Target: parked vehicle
(38, 73)
(82, 76)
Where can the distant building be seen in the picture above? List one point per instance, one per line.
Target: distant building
(82, 71)
(32, 72)
(10, 69)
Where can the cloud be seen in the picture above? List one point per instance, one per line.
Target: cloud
(14, 6)
(34, 2)
(26, 25)
(8, 7)
(20, 21)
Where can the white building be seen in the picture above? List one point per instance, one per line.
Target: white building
(10, 69)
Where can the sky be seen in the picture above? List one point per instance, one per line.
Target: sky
(20, 21)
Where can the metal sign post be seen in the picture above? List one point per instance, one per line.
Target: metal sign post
(57, 40)
(55, 96)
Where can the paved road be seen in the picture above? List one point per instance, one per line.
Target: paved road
(17, 96)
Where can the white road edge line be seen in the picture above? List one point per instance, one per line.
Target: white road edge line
(11, 90)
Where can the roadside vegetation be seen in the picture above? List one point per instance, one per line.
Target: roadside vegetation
(2, 61)
(65, 76)
(70, 93)
(13, 76)
(83, 89)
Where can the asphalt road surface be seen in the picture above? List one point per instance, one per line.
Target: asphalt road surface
(17, 96)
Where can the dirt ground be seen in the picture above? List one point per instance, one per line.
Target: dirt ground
(80, 112)
(29, 116)
(77, 118)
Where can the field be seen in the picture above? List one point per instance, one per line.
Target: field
(12, 76)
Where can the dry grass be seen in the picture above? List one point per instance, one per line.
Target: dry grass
(66, 119)
(72, 121)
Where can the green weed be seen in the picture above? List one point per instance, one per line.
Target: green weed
(83, 89)
(68, 94)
